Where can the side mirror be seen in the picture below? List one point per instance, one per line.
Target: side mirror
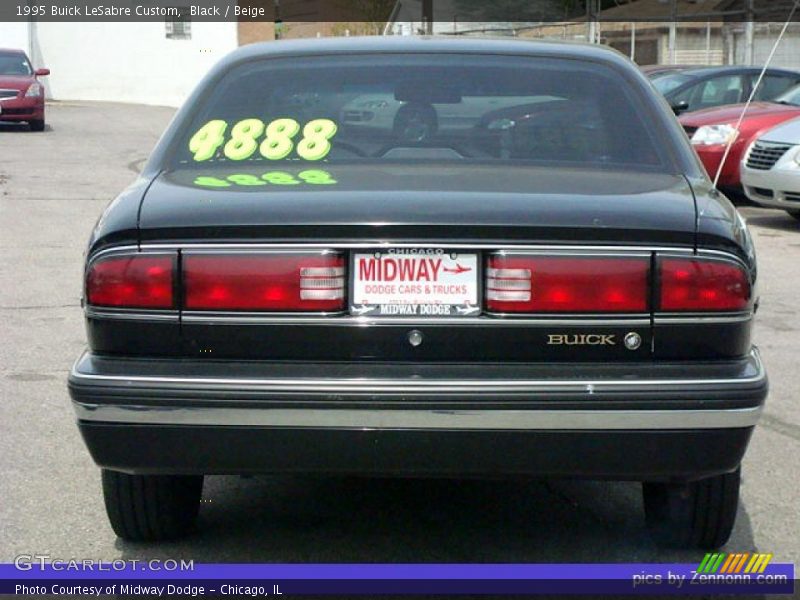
(680, 107)
(42, 72)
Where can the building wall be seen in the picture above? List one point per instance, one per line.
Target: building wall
(787, 54)
(251, 32)
(128, 62)
(14, 35)
(695, 47)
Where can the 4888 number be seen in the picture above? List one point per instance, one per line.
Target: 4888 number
(277, 143)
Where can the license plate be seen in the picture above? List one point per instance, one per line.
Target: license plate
(415, 283)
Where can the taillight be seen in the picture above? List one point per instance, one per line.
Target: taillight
(549, 284)
(264, 282)
(139, 281)
(694, 284)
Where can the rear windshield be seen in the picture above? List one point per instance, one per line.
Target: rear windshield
(791, 96)
(666, 83)
(483, 109)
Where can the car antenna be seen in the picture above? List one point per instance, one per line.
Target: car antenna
(752, 95)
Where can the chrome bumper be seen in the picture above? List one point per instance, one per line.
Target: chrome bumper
(425, 419)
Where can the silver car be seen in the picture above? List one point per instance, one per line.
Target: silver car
(771, 168)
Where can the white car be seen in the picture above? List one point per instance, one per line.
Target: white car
(771, 168)
(419, 121)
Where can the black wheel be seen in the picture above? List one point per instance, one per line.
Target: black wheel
(36, 125)
(699, 514)
(794, 213)
(151, 507)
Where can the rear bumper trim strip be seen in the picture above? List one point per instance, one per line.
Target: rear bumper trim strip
(423, 419)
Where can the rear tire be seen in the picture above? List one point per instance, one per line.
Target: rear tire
(36, 125)
(794, 213)
(147, 508)
(698, 514)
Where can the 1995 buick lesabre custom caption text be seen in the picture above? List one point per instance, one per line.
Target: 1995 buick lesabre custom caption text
(110, 10)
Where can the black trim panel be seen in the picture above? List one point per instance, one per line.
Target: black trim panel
(634, 386)
(619, 455)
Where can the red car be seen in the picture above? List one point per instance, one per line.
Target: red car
(21, 93)
(710, 131)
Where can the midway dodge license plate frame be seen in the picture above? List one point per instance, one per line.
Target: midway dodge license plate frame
(450, 273)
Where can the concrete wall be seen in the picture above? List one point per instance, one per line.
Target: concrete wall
(787, 54)
(694, 47)
(14, 35)
(128, 62)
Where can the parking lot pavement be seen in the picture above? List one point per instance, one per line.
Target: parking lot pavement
(53, 186)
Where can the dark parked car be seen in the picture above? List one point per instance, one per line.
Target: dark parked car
(708, 87)
(21, 92)
(559, 297)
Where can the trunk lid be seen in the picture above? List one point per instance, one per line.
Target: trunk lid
(424, 203)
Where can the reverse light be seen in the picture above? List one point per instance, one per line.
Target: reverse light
(547, 284)
(34, 91)
(264, 282)
(139, 281)
(693, 284)
(710, 135)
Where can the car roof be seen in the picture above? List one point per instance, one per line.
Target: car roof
(657, 68)
(12, 51)
(426, 44)
(699, 72)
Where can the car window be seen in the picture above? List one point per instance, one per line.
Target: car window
(410, 108)
(773, 86)
(716, 91)
(791, 96)
(667, 82)
(14, 64)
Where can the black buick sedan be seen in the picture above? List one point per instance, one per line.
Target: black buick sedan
(428, 258)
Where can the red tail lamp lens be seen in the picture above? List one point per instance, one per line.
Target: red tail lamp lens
(131, 282)
(703, 285)
(267, 282)
(538, 284)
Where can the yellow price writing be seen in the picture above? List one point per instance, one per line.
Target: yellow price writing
(278, 142)
(311, 177)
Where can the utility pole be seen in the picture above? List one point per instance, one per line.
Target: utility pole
(749, 35)
(278, 20)
(427, 16)
(673, 32)
(31, 36)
